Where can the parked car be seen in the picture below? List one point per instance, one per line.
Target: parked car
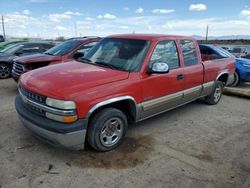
(239, 51)
(20, 49)
(242, 72)
(63, 52)
(225, 48)
(8, 43)
(1, 38)
(247, 56)
(122, 79)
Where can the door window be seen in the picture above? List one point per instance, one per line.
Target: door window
(33, 48)
(85, 48)
(166, 51)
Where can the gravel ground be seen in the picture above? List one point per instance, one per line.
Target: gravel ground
(196, 145)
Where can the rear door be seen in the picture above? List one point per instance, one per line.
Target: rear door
(163, 91)
(193, 70)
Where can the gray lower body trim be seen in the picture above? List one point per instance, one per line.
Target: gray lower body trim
(162, 104)
(73, 140)
(158, 105)
(207, 88)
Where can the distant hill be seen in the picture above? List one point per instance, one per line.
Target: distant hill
(230, 37)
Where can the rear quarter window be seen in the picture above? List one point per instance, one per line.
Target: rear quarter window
(189, 52)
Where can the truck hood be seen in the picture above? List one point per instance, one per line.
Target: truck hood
(66, 80)
(37, 58)
(243, 60)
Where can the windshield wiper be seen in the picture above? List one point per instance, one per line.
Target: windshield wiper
(47, 53)
(84, 60)
(106, 65)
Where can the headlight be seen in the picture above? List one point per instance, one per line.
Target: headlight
(61, 104)
(245, 65)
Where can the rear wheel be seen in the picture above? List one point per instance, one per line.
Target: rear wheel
(215, 96)
(107, 129)
(235, 80)
(5, 71)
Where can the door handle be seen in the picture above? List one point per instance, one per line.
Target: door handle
(180, 77)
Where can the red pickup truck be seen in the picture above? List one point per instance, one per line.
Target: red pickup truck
(63, 52)
(122, 79)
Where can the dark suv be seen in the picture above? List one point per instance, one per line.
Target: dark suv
(66, 51)
(8, 54)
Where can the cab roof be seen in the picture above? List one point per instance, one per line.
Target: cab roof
(150, 36)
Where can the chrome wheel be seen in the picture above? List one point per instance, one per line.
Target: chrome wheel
(217, 94)
(4, 71)
(112, 131)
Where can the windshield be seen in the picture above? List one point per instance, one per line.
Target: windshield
(238, 50)
(223, 52)
(11, 49)
(122, 54)
(63, 48)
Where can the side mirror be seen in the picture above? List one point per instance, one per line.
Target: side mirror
(158, 68)
(78, 55)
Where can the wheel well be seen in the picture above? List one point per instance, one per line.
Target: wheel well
(128, 107)
(223, 78)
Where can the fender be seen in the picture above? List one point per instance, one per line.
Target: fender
(110, 101)
(223, 72)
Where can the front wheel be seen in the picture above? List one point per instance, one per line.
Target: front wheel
(107, 129)
(5, 71)
(215, 96)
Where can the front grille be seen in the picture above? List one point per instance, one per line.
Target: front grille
(17, 68)
(33, 96)
(35, 109)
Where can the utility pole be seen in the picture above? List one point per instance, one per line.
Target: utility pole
(207, 34)
(3, 27)
(76, 28)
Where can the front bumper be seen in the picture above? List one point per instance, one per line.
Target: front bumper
(71, 136)
(15, 76)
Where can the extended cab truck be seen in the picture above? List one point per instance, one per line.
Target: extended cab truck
(64, 52)
(122, 79)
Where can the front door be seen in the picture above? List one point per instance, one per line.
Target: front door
(163, 91)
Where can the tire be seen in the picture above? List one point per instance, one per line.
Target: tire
(215, 96)
(235, 81)
(107, 129)
(5, 71)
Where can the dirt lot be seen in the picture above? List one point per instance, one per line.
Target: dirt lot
(193, 146)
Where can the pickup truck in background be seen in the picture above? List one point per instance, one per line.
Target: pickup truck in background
(66, 51)
(242, 71)
(123, 79)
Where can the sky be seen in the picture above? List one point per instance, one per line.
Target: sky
(70, 18)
